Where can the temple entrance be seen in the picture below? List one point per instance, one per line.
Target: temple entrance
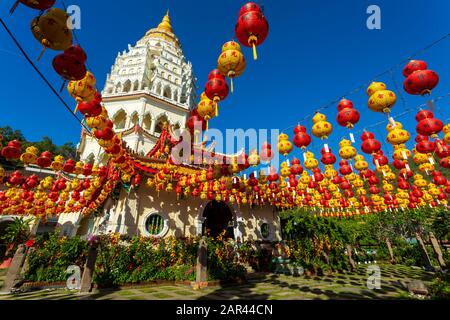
(3, 244)
(218, 218)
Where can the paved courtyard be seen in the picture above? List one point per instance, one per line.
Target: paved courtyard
(271, 287)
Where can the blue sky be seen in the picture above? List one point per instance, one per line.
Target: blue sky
(315, 53)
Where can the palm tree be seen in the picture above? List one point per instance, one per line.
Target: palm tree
(17, 232)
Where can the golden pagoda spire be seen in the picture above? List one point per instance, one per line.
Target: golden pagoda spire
(165, 23)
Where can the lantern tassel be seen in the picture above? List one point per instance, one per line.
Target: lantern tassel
(217, 110)
(76, 109)
(231, 85)
(14, 7)
(255, 54)
(42, 53)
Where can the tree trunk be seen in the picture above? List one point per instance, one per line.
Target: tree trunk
(391, 252)
(350, 258)
(424, 250)
(437, 250)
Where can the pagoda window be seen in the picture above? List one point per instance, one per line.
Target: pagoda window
(147, 123)
(127, 86)
(160, 125)
(158, 88)
(134, 119)
(118, 87)
(119, 119)
(167, 92)
(136, 85)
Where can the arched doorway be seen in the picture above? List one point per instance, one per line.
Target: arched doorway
(218, 218)
(3, 245)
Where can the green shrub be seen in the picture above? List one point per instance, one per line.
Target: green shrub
(440, 288)
(51, 258)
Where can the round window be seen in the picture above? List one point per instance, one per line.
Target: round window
(154, 225)
(265, 230)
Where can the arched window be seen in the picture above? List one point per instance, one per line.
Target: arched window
(136, 85)
(167, 92)
(175, 95)
(158, 88)
(160, 124)
(119, 119)
(127, 86)
(90, 159)
(134, 119)
(147, 123)
(119, 87)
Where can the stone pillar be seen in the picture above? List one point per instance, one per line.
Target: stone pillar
(202, 263)
(350, 256)
(13, 274)
(88, 273)
(26, 264)
(153, 126)
(391, 252)
(424, 250)
(437, 250)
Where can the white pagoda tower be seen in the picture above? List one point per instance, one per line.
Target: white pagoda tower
(150, 84)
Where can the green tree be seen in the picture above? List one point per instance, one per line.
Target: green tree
(17, 232)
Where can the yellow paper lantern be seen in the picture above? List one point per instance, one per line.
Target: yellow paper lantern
(84, 89)
(231, 61)
(52, 30)
(381, 99)
(321, 128)
(284, 145)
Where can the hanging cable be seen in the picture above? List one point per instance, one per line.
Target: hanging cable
(55, 92)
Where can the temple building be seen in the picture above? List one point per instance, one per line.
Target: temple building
(149, 94)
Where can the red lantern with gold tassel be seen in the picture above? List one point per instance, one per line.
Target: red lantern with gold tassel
(252, 27)
(216, 88)
(419, 80)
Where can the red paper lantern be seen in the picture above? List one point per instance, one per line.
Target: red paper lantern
(370, 145)
(414, 65)
(70, 65)
(216, 88)
(266, 153)
(428, 124)
(296, 168)
(34, 4)
(12, 150)
(196, 122)
(301, 139)
(419, 80)
(328, 157)
(348, 116)
(252, 27)
(45, 160)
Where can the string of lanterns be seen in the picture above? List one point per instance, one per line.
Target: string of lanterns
(353, 189)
